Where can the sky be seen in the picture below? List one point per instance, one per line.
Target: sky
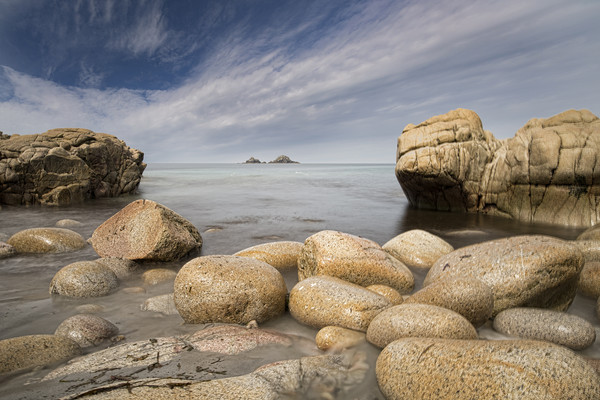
(319, 81)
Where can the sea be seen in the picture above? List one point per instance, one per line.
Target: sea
(234, 206)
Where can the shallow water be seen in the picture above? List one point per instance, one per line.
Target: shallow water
(234, 206)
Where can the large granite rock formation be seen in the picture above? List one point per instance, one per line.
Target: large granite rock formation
(61, 166)
(549, 172)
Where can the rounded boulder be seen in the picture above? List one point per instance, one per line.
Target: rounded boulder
(281, 255)
(84, 279)
(353, 259)
(34, 351)
(338, 338)
(123, 268)
(229, 289)
(86, 329)
(589, 280)
(418, 248)
(418, 320)
(46, 240)
(393, 296)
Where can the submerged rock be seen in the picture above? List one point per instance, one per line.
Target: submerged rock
(229, 289)
(86, 329)
(84, 279)
(164, 304)
(416, 368)
(146, 230)
(156, 276)
(46, 240)
(353, 259)
(531, 271)
(281, 255)
(62, 166)
(35, 351)
(123, 268)
(546, 173)
(335, 337)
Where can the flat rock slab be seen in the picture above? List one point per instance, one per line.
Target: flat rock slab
(552, 326)
(447, 369)
(46, 240)
(531, 270)
(146, 230)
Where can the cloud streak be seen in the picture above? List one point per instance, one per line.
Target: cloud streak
(324, 91)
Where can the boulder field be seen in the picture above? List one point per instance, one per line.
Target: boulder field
(549, 172)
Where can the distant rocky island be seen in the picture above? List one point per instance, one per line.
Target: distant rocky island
(279, 160)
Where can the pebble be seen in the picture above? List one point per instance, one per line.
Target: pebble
(281, 255)
(529, 270)
(229, 289)
(469, 297)
(589, 280)
(353, 259)
(418, 248)
(84, 279)
(164, 304)
(418, 320)
(323, 300)
(393, 296)
(46, 240)
(35, 351)
(335, 337)
(541, 324)
(425, 368)
(156, 276)
(86, 329)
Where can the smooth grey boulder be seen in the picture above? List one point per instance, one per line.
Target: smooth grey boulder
(84, 279)
(86, 329)
(541, 324)
(417, 368)
(530, 270)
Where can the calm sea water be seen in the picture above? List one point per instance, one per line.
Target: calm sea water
(234, 206)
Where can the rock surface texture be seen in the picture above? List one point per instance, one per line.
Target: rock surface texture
(35, 351)
(549, 172)
(146, 230)
(62, 166)
(446, 369)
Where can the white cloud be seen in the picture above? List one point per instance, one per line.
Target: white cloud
(347, 96)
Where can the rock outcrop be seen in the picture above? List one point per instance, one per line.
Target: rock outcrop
(62, 166)
(549, 172)
(283, 160)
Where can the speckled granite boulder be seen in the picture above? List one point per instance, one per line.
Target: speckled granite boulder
(353, 259)
(86, 329)
(313, 377)
(156, 276)
(546, 173)
(589, 248)
(531, 271)
(281, 255)
(146, 230)
(418, 320)
(469, 297)
(541, 324)
(164, 304)
(417, 368)
(46, 240)
(34, 351)
(123, 268)
(320, 301)
(591, 233)
(84, 279)
(393, 296)
(229, 289)
(338, 338)
(417, 248)
(6, 250)
(589, 280)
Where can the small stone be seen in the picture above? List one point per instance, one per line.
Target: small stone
(164, 304)
(84, 279)
(469, 297)
(133, 290)
(418, 248)
(353, 259)
(541, 324)
(34, 351)
(86, 329)
(89, 308)
(157, 276)
(418, 320)
(281, 255)
(6, 250)
(393, 296)
(229, 289)
(68, 223)
(123, 268)
(46, 240)
(323, 300)
(425, 368)
(589, 280)
(338, 338)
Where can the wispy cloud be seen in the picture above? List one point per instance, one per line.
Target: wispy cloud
(347, 91)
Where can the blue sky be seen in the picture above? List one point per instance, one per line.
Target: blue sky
(320, 81)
